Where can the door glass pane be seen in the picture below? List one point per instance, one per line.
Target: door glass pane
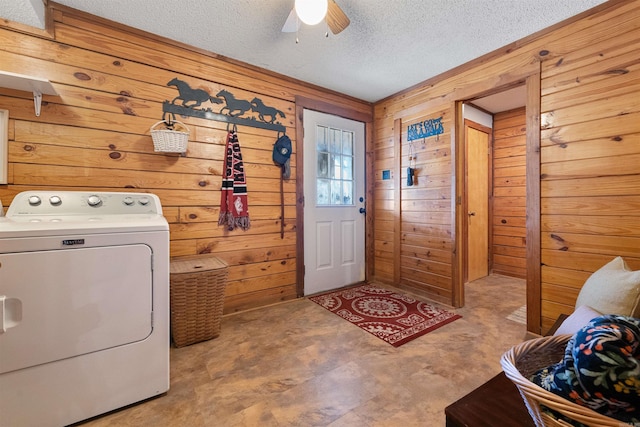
(347, 192)
(336, 192)
(321, 139)
(336, 169)
(347, 167)
(323, 165)
(323, 192)
(347, 143)
(336, 140)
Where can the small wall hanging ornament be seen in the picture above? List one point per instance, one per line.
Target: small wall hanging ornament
(425, 129)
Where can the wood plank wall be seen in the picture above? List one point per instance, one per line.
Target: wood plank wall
(385, 216)
(590, 189)
(509, 193)
(590, 156)
(95, 136)
(425, 251)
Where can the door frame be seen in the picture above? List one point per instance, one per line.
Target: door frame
(303, 103)
(532, 83)
(465, 199)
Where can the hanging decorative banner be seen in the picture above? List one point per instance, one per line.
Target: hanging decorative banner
(425, 129)
(233, 110)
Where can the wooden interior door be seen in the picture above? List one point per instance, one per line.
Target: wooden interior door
(477, 167)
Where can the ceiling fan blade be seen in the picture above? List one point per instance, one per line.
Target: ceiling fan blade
(292, 24)
(336, 18)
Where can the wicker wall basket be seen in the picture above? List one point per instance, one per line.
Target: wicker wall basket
(170, 137)
(523, 360)
(197, 298)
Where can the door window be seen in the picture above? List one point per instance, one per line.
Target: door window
(334, 154)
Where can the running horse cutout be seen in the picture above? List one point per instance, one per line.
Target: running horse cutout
(187, 94)
(264, 110)
(189, 101)
(233, 104)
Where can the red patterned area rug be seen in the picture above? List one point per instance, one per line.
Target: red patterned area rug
(391, 316)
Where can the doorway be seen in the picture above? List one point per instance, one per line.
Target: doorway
(334, 194)
(529, 88)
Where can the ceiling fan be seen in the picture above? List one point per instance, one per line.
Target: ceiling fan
(329, 10)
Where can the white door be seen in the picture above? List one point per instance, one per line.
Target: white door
(334, 191)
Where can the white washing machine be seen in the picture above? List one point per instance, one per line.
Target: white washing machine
(84, 305)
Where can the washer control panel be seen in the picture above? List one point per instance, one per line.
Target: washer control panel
(83, 203)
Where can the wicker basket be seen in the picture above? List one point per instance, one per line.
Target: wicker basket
(197, 298)
(172, 139)
(523, 360)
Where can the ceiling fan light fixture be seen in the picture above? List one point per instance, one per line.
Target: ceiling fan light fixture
(311, 12)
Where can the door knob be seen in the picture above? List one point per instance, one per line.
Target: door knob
(472, 214)
(362, 211)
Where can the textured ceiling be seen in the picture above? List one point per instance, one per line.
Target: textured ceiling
(389, 46)
(29, 12)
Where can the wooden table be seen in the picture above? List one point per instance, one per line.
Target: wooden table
(496, 403)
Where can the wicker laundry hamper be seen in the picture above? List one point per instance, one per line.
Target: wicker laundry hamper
(197, 298)
(523, 360)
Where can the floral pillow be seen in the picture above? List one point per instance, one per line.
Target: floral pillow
(600, 368)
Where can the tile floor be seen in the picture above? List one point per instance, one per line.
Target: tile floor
(297, 364)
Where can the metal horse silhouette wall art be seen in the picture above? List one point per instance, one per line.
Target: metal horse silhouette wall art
(233, 110)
